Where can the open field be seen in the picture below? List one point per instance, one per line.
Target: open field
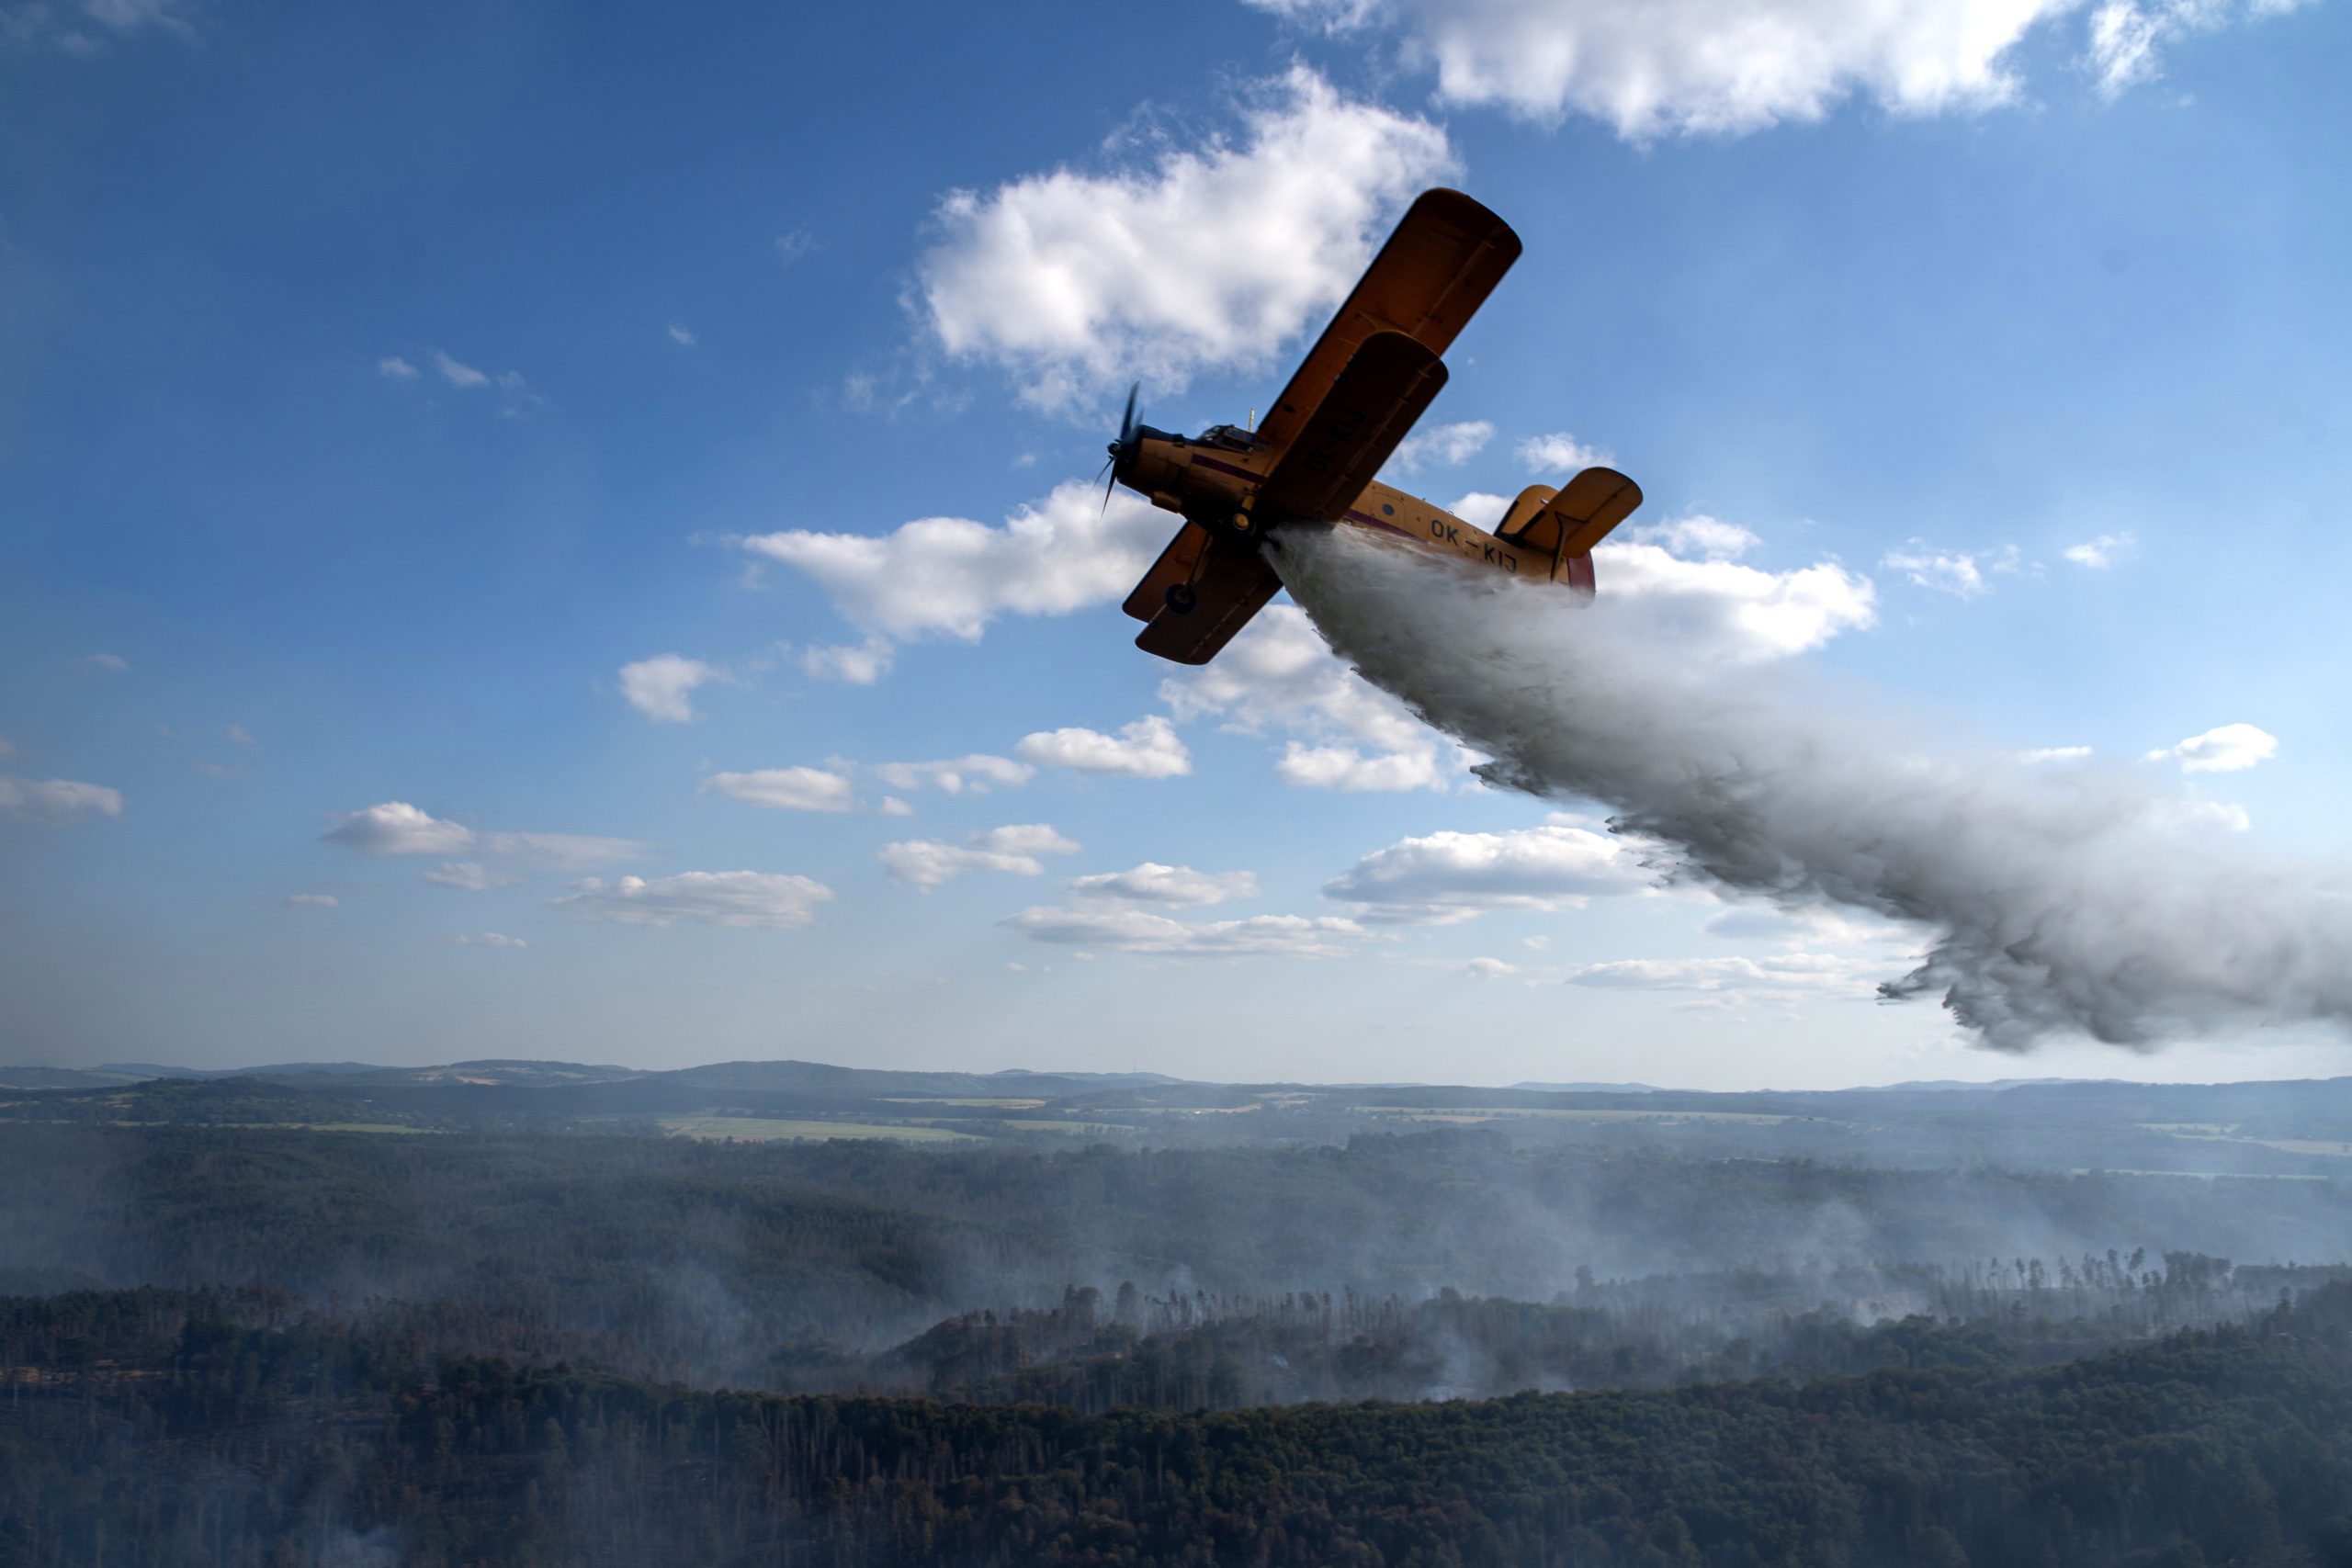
(761, 1129)
(1484, 1113)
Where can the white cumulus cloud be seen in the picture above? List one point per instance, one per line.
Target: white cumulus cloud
(661, 687)
(1139, 931)
(393, 367)
(1148, 749)
(855, 663)
(1723, 610)
(1696, 537)
(57, 800)
(1344, 767)
(1446, 877)
(952, 776)
(950, 575)
(1446, 444)
(1560, 455)
(1830, 973)
(1183, 260)
(1651, 68)
(787, 789)
(1279, 672)
(740, 899)
(396, 828)
(1172, 885)
(925, 863)
(2229, 748)
(1481, 508)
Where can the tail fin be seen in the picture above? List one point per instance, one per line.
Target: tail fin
(1566, 524)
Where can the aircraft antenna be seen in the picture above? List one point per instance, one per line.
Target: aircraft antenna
(1252, 426)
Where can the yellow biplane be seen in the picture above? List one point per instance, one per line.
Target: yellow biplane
(1314, 459)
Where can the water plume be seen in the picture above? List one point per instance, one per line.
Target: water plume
(2072, 899)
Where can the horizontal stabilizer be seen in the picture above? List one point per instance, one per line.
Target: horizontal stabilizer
(1234, 584)
(1592, 503)
(1576, 518)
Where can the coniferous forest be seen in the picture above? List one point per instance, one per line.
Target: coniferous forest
(442, 1332)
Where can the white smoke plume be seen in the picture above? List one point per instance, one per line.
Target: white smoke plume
(2081, 900)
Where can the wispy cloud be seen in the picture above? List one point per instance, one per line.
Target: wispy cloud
(661, 687)
(397, 828)
(743, 900)
(2107, 550)
(1693, 68)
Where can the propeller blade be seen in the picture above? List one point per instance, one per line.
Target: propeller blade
(1127, 419)
(1108, 486)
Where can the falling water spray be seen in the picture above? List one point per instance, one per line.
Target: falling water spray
(2057, 900)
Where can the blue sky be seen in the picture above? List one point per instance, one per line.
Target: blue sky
(452, 461)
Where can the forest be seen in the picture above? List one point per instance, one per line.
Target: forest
(160, 1426)
(248, 1320)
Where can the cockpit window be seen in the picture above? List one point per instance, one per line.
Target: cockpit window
(1229, 438)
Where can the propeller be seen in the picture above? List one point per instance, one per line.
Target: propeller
(1119, 447)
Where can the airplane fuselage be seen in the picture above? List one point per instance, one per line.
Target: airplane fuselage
(1216, 484)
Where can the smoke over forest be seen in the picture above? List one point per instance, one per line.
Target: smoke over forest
(2057, 900)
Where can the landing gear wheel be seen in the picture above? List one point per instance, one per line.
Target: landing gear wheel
(1182, 599)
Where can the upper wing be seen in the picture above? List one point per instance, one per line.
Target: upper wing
(1435, 271)
(1370, 405)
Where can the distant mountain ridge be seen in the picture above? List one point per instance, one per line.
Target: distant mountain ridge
(796, 1075)
(771, 1077)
